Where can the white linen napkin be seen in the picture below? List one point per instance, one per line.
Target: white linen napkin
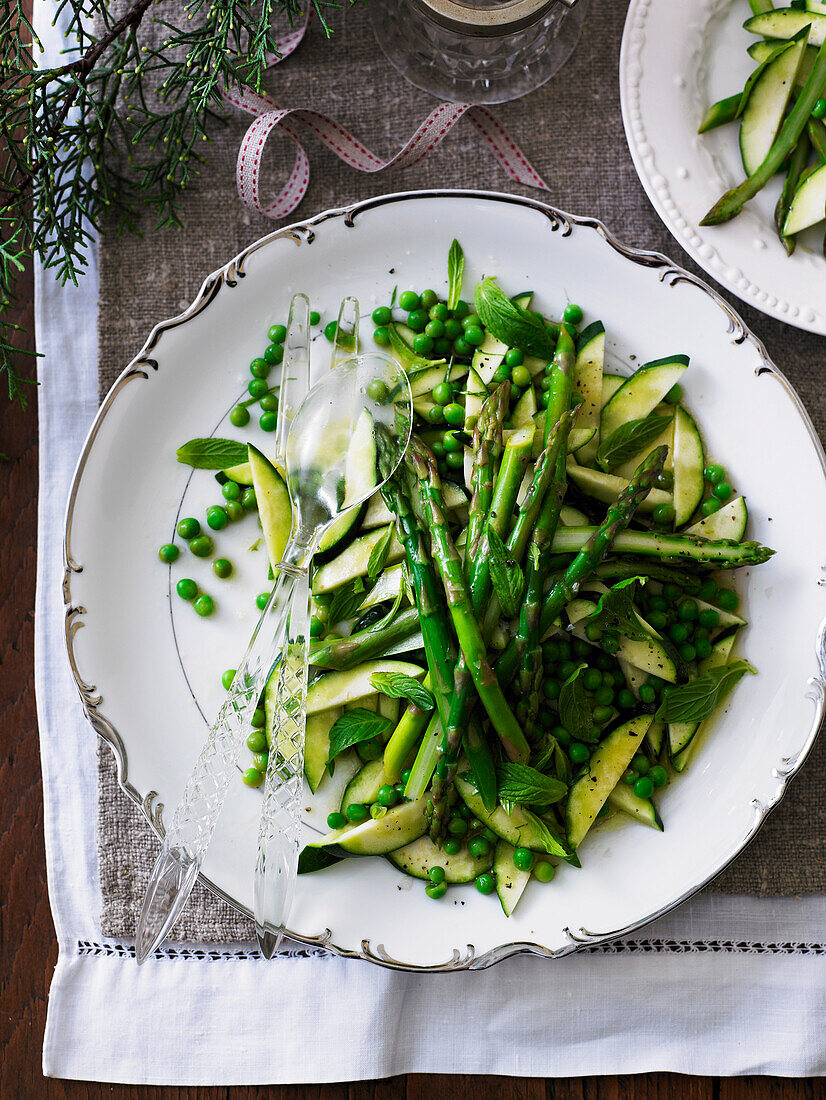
(723, 986)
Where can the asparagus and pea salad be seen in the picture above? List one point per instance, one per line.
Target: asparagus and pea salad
(781, 111)
(529, 629)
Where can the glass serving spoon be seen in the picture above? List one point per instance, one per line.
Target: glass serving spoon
(361, 408)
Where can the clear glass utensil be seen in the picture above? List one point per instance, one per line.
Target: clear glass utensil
(477, 51)
(295, 373)
(369, 386)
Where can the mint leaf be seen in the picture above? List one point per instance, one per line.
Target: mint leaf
(353, 727)
(397, 685)
(696, 700)
(379, 553)
(553, 845)
(455, 272)
(505, 574)
(615, 611)
(212, 454)
(576, 708)
(523, 784)
(514, 326)
(347, 600)
(629, 439)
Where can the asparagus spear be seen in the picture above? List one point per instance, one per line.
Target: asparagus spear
(733, 201)
(797, 163)
(596, 546)
(487, 449)
(343, 653)
(671, 549)
(464, 621)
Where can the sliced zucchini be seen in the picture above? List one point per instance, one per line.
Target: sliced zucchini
(364, 786)
(338, 531)
(487, 357)
(587, 382)
(577, 437)
(316, 741)
(523, 299)
(643, 809)
(689, 462)
(242, 473)
(786, 23)
(665, 439)
(607, 487)
(510, 881)
(604, 771)
(381, 835)
(766, 104)
(655, 735)
(525, 409)
(334, 689)
(572, 517)
(513, 827)
(274, 506)
(642, 392)
(729, 523)
(353, 561)
(610, 384)
(476, 393)
(681, 734)
(651, 656)
(762, 51)
(418, 858)
(422, 383)
(808, 206)
(387, 587)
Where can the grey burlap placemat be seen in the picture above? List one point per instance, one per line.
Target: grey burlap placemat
(572, 131)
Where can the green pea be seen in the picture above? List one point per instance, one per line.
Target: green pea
(610, 643)
(227, 678)
(230, 490)
(189, 528)
(222, 568)
(260, 368)
(204, 605)
(235, 510)
(428, 298)
(436, 890)
(479, 847)
(678, 633)
(438, 448)
(201, 546)
(315, 317)
(687, 610)
(336, 820)
(819, 109)
(453, 328)
(277, 334)
(462, 348)
(168, 553)
(658, 775)
(377, 391)
(714, 473)
(409, 300)
(423, 344)
(703, 647)
(258, 718)
(454, 413)
(592, 678)
(256, 741)
(626, 699)
(551, 689)
(710, 506)
(602, 714)
(561, 735)
(387, 795)
(436, 414)
(382, 315)
(709, 618)
(437, 311)
(641, 764)
(474, 336)
(521, 376)
(216, 517)
(461, 309)
(708, 589)
(436, 874)
(249, 500)
(728, 599)
(261, 600)
(514, 357)
(268, 421)
(665, 480)
(273, 355)
(664, 513)
(452, 846)
(523, 859)
(330, 330)
(658, 619)
(457, 826)
(566, 668)
(485, 883)
(187, 589)
(572, 314)
(257, 387)
(578, 752)
(451, 443)
(434, 329)
(593, 632)
(688, 652)
(261, 760)
(252, 777)
(722, 490)
(543, 871)
(239, 416)
(643, 787)
(674, 395)
(501, 374)
(357, 811)
(417, 319)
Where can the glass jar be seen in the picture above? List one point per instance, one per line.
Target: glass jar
(477, 51)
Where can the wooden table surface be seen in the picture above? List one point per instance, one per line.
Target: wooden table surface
(28, 949)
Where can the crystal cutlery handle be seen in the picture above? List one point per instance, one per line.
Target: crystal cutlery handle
(280, 826)
(190, 832)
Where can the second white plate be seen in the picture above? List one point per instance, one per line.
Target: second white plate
(677, 58)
